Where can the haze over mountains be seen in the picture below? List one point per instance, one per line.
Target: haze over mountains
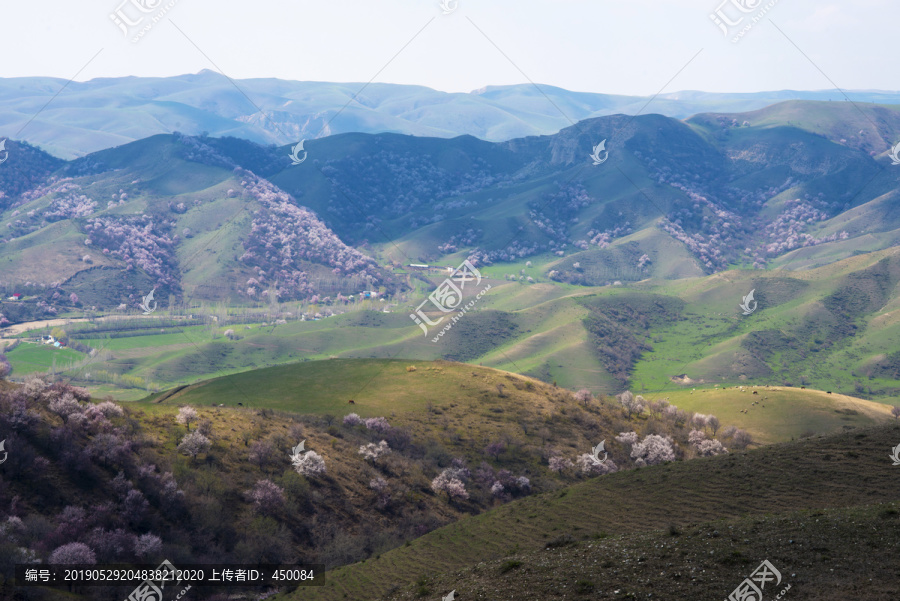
(101, 113)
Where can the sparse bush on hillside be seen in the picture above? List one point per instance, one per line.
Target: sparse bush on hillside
(708, 448)
(495, 449)
(379, 424)
(629, 438)
(895, 411)
(704, 446)
(193, 444)
(630, 403)
(262, 453)
(584, 396)
(352, 420)
(147, 546)
(267, 497)
(186, 415)
(741, 439)
(559, 464)
(73, 553)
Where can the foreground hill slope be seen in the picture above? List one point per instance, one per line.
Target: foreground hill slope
(851, 469)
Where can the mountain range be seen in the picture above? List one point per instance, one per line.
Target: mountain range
(85, 117)
(796, 202)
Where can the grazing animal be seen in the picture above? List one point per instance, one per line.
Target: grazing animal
(754, 392)
(827, 392)
(803, 388)
(351, 402)
(764, 406)
(240, 404)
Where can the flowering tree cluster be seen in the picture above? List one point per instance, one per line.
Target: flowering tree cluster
(463, 239)
(380, 486)
(73, 553)
(147, 546)
(266, 496)
(516, 250)
(379, 424)
(69, 206)
(558, 464)
(352, 419)
(194, 443)
(632, 404)
(139, 242)
(652, 450)
(591, 466)
(453, 482)
(284, 236)
(705, 446)
(309, 464)
(786, 230)
(373, 452)
(187, 415)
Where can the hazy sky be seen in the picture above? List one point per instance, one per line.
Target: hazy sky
(611, 46)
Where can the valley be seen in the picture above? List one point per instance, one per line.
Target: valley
(452, 333)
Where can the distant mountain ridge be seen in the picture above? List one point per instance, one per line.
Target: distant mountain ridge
(98, 114)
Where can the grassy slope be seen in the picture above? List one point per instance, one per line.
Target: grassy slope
(380, 387)
(822, 554)
(837, 471)
(712, 341)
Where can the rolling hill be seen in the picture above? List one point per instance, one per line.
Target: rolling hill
(624, 274)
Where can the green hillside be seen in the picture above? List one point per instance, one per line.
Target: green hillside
(756, 488)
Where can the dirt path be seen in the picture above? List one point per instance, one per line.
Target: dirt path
(20, 328)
